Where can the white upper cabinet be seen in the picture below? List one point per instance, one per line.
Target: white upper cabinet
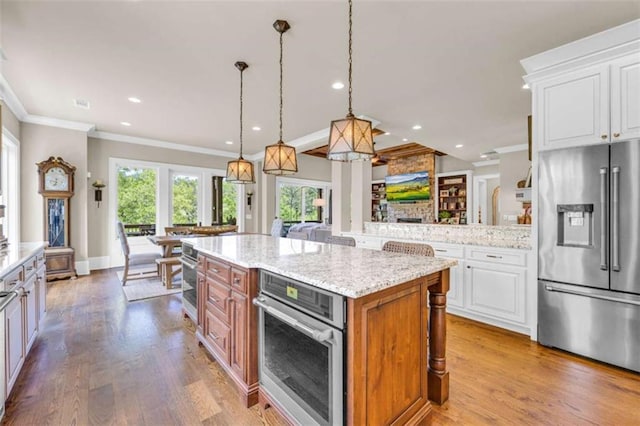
(587, 92)
(625, 98)
(573, 109)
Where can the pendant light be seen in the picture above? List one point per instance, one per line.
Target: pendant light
(240, 170)
(280, 159)
(350, 138)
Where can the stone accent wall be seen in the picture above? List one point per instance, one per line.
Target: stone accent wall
(421, 209)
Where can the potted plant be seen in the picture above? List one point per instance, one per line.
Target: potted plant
(444, 216)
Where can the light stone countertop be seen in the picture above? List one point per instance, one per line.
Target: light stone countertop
(349, 271)
(14, 255)
(512, 236)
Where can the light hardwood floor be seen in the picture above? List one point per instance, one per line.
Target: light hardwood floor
(101, 360)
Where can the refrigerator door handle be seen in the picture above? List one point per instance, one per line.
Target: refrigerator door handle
(615, 219)
(603, 218)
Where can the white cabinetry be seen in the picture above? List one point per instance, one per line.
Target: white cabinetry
(14, 342)
(573, 109)
(455, 296)
(23, 314)
(625, 98)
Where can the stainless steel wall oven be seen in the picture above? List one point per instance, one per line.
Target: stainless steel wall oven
(301, 349)
(190, 280)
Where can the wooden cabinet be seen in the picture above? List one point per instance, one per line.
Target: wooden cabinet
(453, 195)
(378, 202)
(229, 321)
(593, 105)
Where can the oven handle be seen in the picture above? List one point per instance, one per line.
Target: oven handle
(188, 264)
(318, 335)
(8, 297)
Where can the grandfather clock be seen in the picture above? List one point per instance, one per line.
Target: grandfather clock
(56, 186)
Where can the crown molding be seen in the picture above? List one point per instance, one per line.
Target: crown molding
(11, 99)
(56, 122)
(486, 163)
(159, 144)
(512, 148)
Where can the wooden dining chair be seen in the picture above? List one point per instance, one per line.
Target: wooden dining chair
(136, 259)
(177, 230)
(341, 241)
(418, 249)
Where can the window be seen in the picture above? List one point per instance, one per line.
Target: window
(137, 199)
(10, 181)
(295, 200)
(185, 200)
(229, 203)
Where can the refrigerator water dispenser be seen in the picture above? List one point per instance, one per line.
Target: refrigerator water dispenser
(575, 225)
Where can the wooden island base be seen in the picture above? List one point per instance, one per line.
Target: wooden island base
(395, 345)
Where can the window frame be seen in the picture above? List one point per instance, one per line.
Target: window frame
(325, 186)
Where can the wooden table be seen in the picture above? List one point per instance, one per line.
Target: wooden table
(168, 242)
(213, 230)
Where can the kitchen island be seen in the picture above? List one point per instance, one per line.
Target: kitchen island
(395, 331)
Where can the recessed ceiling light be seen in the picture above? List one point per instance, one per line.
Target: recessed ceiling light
(525, 86)
(338, 85)
(387, 133)
(404, 139)
(459, 145)
(125, 123)
(229, 142)
(256, 128)
(134, 100)
(483, 156)
(417, 127)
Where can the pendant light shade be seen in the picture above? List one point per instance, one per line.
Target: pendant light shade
(240, 170)
(350, 138)
(279, 158)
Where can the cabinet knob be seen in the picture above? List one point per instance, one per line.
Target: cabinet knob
(616, 135)
(604, 137)
(468, 267)
(236, 280)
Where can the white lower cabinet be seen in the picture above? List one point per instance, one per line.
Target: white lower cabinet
(14, 342)
(30, 302)
(41, 291)
(496, 290)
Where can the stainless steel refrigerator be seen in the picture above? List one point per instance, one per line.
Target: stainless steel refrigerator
(589, 252)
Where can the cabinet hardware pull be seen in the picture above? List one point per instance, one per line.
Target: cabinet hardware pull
(236, 280)
(215, 300)
(214, 337)
(215, 270)
(468, 267)
(441, 250)
(604, 137)
(616, 135)
(494, 256)
(12, 283)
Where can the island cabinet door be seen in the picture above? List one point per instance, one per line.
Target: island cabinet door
(239, 334)
(218, 336)
(387, 356)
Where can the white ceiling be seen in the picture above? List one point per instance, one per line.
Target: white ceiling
(450, 66)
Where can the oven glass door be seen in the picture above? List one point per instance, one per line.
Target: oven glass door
(302, 372)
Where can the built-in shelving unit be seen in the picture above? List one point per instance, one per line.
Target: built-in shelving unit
(453, 197)
(378, 202)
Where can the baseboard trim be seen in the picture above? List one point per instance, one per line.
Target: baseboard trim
(101, 262)
(82, 267)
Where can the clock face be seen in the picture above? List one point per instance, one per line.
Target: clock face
(55, 179)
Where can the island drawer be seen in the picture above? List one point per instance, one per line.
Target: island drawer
(239, 279)
(218, 335)
(503, 256)
(218, 296)
(40, 259)
(218, 269)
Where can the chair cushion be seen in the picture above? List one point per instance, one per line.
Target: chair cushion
(142, 258)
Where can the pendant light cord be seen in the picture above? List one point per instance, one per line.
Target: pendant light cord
(281, 87)
(241, 73)
(350, 53)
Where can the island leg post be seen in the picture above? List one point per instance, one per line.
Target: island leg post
(438, 376)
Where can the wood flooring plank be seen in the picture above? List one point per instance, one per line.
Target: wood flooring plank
(101, 360)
